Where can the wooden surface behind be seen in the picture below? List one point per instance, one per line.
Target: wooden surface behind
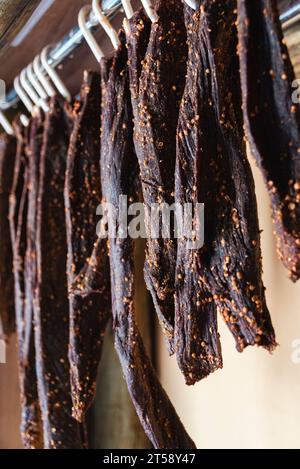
(10, 411)
(13, 15)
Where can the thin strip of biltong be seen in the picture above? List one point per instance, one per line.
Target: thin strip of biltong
(212, 169)
(51, 306)
(119, 174)
(89, 313)
(30, 267)
(159, 91)
(7, 306)
(31, 424)
(91, 287)
(272, 119)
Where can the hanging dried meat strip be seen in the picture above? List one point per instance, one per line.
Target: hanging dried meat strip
(31, 424)
(159, 91)
(119, 171)
(7, 307)
(89, 313)
(272, 120)
(212, 168)
(51, 307)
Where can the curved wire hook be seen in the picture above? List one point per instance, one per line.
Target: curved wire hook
(94, 46)
(150, 10)
(24, 119)
(6, 124)
(129, 12)
(37, 87)
(192, 4)
(54, 76)
(35, 82)
(106, 25)
(43, 80)
(28, 88)
(22, 95)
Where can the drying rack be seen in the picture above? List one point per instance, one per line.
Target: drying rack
(74, 38)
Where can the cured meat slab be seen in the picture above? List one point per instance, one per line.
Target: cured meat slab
(272, 119)
(31, 424)
(119, 171)
(7, 307)
(157, 72)
(51, 306)
(212, 168)
(89, 311)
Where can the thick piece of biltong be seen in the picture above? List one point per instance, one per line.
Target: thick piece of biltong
(7, 306)
(159, 86)
(31, 424)
(89, 312)
(212, 168)
(272, 119)
(119, 174)
(51, 306)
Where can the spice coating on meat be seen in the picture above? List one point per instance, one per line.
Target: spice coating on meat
(31, 423)
(212, 168)
(272, 120)
(91, 288)
(119, 171)
(89, 313)
(159, 91)
(51, 307)
(7, 307)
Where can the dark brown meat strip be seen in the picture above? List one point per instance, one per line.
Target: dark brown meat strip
(119, 170)
(31, 424)
(157, 90)
(88, 313)
(51, 307)
(272, 120)
(212, 168)
(7, 306)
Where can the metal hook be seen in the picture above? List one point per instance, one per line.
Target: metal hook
(45, 82)
(35, 82)
(24, 120)
(94, 46)
(28, 88)
(147, 7)
(150, 10)
(129, 12)
(106, 25)
(54, 76)
(22, 95)
(37, 86)
(6, 124)
(192, 4)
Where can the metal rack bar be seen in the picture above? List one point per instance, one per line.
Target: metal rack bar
(74, 38)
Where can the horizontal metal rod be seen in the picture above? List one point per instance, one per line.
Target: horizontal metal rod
(74, 38)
